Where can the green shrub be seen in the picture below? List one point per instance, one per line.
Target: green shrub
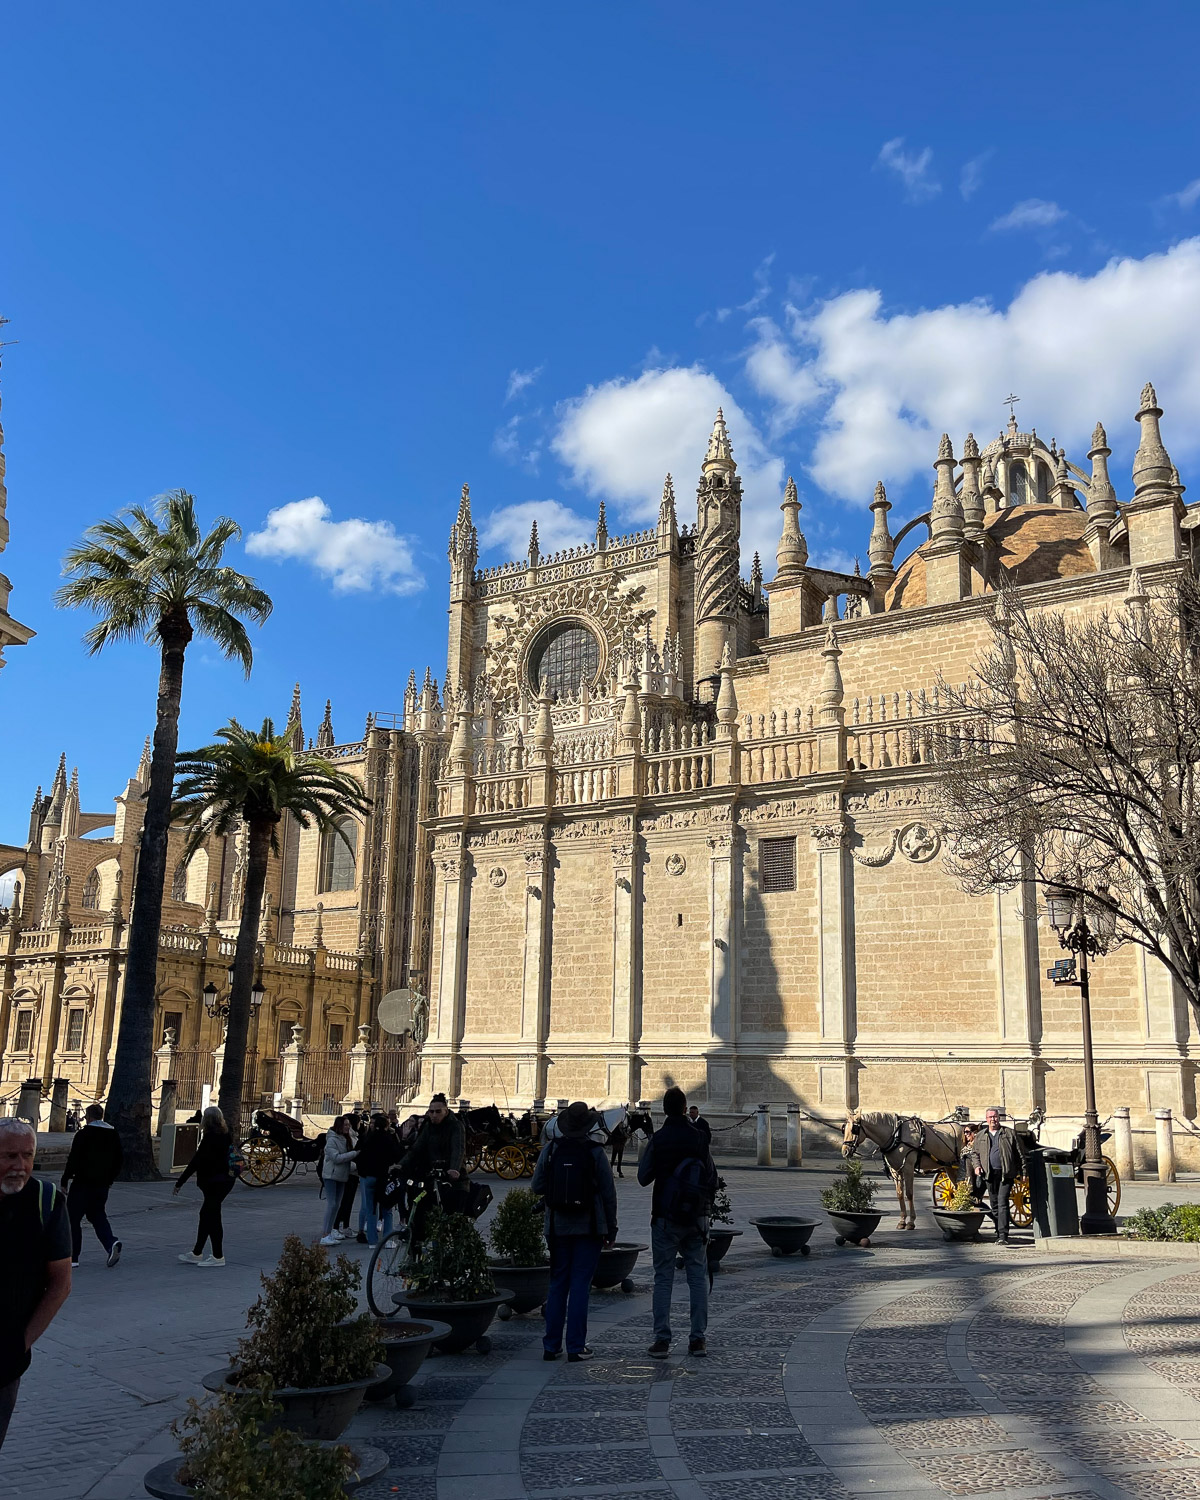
(451, 1265)
(516, 1231)
(1173, 1221)
(305, 1333)
(722, 1210)
(962, 1199)
(854, 1194)
(228, 1456)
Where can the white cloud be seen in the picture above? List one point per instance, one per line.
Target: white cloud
(357, 556)
(1075, 348)
(912, 168)
(507, 529)
(507, 444)
(520, 380)
(971, 178)
(1186, 197)
(776, 372)
(1031, 213)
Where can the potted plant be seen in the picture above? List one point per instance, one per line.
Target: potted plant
(237, 1447)
(784, 1234)
(961, 1217)
(405, 1343)
(307, 1349)
(449, 1280)
(721, 1234)
(521, 1258)
(849, 1204)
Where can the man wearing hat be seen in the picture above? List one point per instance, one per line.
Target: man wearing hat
(575, 1181)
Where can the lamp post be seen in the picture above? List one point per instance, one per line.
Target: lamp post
(1069, 918)
(219, 1008)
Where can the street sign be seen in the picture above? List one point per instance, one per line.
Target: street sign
(1063, 971)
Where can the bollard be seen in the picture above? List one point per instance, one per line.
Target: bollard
(29, 1104)
(763, 1128)
(58, 1105)
(562, 1104)
(795, 1142)
(1122, 1143)
(1166, 1145)
(166, 1126)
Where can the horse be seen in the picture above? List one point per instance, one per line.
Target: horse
(621, 1135)
(908, 1145)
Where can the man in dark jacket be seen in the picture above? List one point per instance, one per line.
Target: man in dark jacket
(1001, 1162)
(378, 1151)
(439, 1147)
(574, 1177)
(701, 1124)
(673, 1234)
(92, 1167)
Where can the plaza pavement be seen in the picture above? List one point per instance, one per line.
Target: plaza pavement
(913, 1369)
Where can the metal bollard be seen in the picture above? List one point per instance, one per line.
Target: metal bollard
(29, 1103)
(795, 1142)
(1122, 1142)
(1166, 1145)
(166, 1126)
(58, 1105)
(763, 1127)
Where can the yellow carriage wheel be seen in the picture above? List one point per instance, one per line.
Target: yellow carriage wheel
(1112, 1183)
(943, 1186)
(510, 1162)
(265, 1161)
(530, 1153)
(471, 1162)
(1020, 1204)
(487, 1159)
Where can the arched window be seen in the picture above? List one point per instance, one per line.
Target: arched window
(179, 882)
(339, 855)
(91, 891)
(1018, 483)
(566, 653)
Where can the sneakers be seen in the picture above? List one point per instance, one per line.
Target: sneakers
(659, 1349)
(584, 1353)
(697, 1347)
(549, 1354)
(191, 1258)
(212, 1260)
(114, 1255)
(346, 1234)
(331, 1239)
(74, 1265)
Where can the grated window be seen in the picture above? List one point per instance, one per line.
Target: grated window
(76, 1020)
(777, 864)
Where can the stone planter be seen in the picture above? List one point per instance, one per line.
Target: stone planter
(163, 1485)
(616, 1267)
(786, 1233)
(406, 1342)
(720, 1237)
(959, 1226)
(530, 1286)
(468, 1321)
(322, 1412)
(854, 1227)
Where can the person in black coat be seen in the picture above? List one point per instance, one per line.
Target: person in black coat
(210, 1164)
(92, 1167)
(379, 1150)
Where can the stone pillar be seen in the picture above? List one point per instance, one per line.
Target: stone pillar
(164, 1058)
(835, 958)
(58, 1106)
(1166, 1145)
(723, 966)
(535, 1013)
(762, 1129)
(450, 925)
(289, 1072)
(623, 1079)
(1122, 1142)
(29, 1102)
(360, 1056)
(166, 1127)
(795, 1141)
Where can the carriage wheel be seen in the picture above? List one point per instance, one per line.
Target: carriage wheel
(1020, 1203)
(265, 1161)
(385, 1279)
(531, 1157)
(471, 1162)
(1112, 1183)
(943, 1186)
(487, 1159)
(510, 1162)
(289, 1166)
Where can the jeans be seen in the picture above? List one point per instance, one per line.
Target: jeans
(573, 1262)
(333, 1204)
(210, 1226)
(666, 1242)
(368, 1213)
(998, 1190)
(8, 1399)
(346, 1206)
(87, 1201)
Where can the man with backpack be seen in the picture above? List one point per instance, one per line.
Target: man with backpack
(575, 1181)
(678, 1163)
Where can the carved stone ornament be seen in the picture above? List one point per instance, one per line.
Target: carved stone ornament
(622, 855)
(885, 797)
(919, 842)
(692, 817)
(497, 876)
(828, 835)
(783, 808)
(874, 858)
(675, 863)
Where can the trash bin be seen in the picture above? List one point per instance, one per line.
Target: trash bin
(187, 1138)
(1052, 1190)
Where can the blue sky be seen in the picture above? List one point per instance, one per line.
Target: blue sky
(357, 254)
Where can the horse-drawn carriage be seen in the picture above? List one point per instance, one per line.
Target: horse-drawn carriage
(494, 1143)
(274, 1146)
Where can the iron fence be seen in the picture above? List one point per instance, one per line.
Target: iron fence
(191, 1068)
(395, 1073)
(324, 1080)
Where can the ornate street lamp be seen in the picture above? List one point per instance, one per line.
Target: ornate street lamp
(1090, 934)
(219, 1008)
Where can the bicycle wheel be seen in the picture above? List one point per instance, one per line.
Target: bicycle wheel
(385, 1280)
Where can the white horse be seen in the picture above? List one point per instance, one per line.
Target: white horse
(908, 1145)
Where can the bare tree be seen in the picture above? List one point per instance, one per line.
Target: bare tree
(1073, 763)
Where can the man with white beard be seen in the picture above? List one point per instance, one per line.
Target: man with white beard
(35, 1258)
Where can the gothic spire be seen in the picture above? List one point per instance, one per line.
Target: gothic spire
(1101, 497)
(325, 739)
(143, 770)
(792, 553)
(666, 509)
(971, 498)
(463, 549)
(946, 512)
(58, 791)
(1151, 463)
(534, 550)
(720, 450)
(601, 528)
(881, 549)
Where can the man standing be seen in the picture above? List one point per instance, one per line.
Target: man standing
(35, 1258)
(1001, 1161)
(439, 1147)
(92, 1167)
(678, 1163)
(574, 1178)
(701, 1124)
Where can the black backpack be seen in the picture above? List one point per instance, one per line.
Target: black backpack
(572, 1174)
(687, 1193)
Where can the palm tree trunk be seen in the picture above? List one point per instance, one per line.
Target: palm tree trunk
(128, 1105)
(233, 1069)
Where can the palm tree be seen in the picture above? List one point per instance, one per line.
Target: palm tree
(155, 576)
(254, 779)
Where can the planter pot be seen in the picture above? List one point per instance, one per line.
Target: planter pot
(959, 1226)
(854, 1227)
(322, 1412)
(785, 1233)
(468, 1321)
(616, 1267)
(719, 1241)
(406, 1342)
(530, 1286)
(163, 1485)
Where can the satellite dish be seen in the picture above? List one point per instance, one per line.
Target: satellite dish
(395, 1012)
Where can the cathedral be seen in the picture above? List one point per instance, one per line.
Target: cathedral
(664, 824)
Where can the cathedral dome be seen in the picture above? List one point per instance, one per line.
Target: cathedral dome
(1035, 543)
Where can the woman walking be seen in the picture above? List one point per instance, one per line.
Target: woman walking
(378, 1150)
(215, 1177)
(345, 1213)
(339, 1153)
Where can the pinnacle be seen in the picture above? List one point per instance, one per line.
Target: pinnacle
(1149, 399)
(880, 495)
(1099, 436)
(533, 537)
(464, 506)
(719, 448)
(945, 448)
(970, 447)
(791, 495)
